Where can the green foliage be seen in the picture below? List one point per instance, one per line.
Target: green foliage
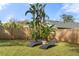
(40, 30)
(46, 30)
(35, 35)
(13, 25)
(1, 23)
(67, 18)
(37, 11)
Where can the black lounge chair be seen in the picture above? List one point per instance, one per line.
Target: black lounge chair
(34, 43)
(51, 43)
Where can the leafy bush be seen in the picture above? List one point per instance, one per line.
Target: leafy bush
(46, 30)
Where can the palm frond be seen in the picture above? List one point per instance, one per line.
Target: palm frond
(27, 12)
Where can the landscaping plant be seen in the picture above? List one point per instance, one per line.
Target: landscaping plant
(40, 29)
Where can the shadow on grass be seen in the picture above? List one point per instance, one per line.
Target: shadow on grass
(4, 43)
(76, 50)
(49, 47)
(73, 47)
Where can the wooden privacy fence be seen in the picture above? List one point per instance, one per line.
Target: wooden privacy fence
(68, 35)
(23, 33)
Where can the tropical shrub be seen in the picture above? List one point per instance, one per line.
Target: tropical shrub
(39, 28)
(46, 30)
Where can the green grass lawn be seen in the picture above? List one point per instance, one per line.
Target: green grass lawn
(19, 48)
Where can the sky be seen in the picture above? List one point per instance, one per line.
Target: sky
(53, 10)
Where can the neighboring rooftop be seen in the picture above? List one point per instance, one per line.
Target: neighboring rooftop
(60, 24)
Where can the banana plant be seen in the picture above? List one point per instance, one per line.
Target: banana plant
(39, 17)
(45, 31)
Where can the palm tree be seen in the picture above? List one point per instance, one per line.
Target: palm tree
(67, 18)
(44, 17)
(32, 10)
(38, 12)
(43, 14)
(39, 16)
